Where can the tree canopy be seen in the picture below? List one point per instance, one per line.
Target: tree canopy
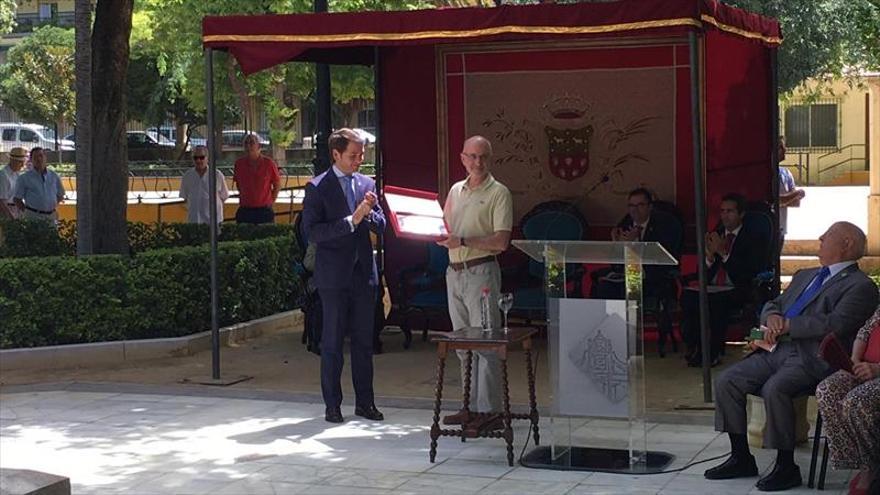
(7, 16)
(822, 38)
(37, 80)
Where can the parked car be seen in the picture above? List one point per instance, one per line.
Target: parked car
(30, 136)
(235, 138)
(147, 139)
(170, 133)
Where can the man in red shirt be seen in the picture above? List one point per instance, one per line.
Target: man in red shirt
(257, 179)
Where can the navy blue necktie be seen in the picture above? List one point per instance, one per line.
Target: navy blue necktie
(348, 190)
(808, 293)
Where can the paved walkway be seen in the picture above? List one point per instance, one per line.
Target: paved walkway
(180, 440)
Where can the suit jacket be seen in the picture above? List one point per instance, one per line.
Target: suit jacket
(842, 306)
(338, 250)
(747, 257)
(665, 229)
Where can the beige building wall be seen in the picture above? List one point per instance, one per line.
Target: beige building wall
(33, 6)
(852, 128)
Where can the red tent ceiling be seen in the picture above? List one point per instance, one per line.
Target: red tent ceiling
(262, 41)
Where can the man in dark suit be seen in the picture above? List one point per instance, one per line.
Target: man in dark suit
(836, 297)
(644, 223)
(735, 254)
(339, 211)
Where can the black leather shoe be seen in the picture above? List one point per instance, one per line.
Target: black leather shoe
(333, 415)
(370, 412)
(781, 478)
(733, 467)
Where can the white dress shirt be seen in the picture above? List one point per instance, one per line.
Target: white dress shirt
(194, 189)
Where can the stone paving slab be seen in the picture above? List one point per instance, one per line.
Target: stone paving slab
(150, 442)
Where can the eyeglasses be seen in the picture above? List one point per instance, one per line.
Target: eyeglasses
(474, 156)
(199, 157)
(637, 205)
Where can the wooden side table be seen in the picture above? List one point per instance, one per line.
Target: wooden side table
(497, 341)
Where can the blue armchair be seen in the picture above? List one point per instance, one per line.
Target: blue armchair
(552, 220)
(422, 292)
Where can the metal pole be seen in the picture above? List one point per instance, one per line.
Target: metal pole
(377, 147)
(700, 200)
(774, 164)
(212, 215)
(321, 161)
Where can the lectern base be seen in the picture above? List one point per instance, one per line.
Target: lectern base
(595, 459)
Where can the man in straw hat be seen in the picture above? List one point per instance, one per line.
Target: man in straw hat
(8, 177)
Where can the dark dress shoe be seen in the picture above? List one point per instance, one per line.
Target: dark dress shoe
(781, 478)
(333, 415)
(733, 467)
(370, 412)
(459, 418)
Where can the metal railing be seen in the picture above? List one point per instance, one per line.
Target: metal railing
(846, 157)
(289, 213)
(801, 168)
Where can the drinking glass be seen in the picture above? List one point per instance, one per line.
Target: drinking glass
(505, 302)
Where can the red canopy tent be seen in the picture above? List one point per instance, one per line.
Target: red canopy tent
(701, 72)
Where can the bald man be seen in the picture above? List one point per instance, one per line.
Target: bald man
(836, 297)
(479, 213)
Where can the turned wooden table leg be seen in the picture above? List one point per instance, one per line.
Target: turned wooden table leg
(466, 398)
(438, 394)
(533, 403)
(508, 431)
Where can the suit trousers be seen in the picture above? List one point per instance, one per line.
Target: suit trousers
(778, 377)
(721, 306)
(348, 311)
(464, 289)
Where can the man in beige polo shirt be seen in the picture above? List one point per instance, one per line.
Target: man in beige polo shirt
(479, 213)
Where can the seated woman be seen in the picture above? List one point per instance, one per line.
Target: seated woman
(850, 406)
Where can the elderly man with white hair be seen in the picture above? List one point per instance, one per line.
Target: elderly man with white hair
(834, 297)
(194, 189)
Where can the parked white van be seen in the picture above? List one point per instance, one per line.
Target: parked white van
(29, 136)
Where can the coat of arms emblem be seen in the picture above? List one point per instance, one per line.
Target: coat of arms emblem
(568, 138)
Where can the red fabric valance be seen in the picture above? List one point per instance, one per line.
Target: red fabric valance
(259, 42)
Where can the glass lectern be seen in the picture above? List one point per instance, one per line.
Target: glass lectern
(597, 367)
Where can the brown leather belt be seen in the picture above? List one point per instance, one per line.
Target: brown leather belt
(471, 263)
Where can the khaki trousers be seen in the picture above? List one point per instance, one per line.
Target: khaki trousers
(464, 289)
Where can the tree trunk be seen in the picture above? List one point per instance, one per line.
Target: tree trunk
(279, 152)
(83, 129)
(181, 132)
(109, 182)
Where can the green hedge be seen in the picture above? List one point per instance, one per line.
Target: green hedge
(159, 293)
(24, 238)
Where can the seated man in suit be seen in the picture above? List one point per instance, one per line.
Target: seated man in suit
(836, 297)
(735, 254)
(643, 223)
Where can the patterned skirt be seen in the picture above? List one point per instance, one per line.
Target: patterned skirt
(851, 419)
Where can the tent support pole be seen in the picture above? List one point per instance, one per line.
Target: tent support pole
(321, 161)
(774, 164)
(700, 203)
(213, 220)
(377, 146)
